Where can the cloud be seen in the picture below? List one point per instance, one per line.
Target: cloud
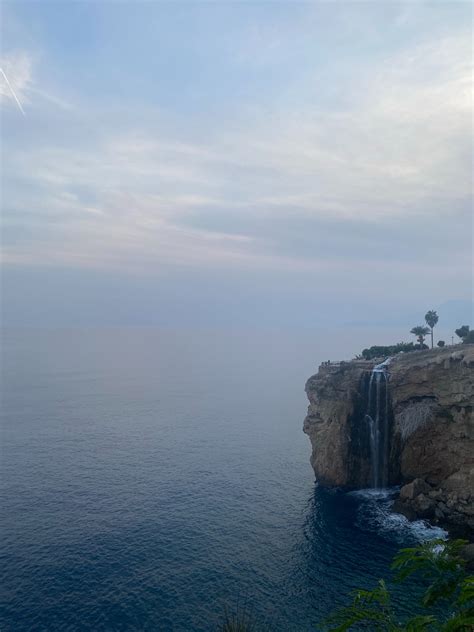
(403, 139)
(208, 164)
(285, 184)
(15, 79)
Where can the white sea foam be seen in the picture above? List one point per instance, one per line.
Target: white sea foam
(375, 514)
(382, 366)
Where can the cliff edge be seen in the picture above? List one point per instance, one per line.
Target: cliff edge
(415, 426)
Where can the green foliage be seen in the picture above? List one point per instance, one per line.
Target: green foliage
(241, 620)
(469, 338)
(462, 332)
(420, 331)
(441, 343)
(466, 334)
(378, 351)
(431, 318)
(367, 606)
(440, 564)
(236, 623)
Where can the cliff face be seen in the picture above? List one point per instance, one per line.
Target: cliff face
(335, 424)
(430, 426)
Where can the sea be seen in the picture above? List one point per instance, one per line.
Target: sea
(159, 479)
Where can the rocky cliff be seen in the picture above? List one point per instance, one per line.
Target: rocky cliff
(430, 430)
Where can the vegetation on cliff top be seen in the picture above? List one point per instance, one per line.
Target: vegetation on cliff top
(466, 334)
(431, 318)
(420, 331)
(379, 351)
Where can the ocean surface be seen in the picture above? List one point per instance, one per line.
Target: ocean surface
(152, 479)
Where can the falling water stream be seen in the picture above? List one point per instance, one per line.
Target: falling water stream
(377, 417)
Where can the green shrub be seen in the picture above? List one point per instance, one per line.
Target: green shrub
(378, 351)
(466, 334)
(240, 620)
(462, 332)
(441, 343)
(440, 564)
(449, 591)
(469, 338)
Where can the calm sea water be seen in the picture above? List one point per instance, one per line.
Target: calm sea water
(153, 478)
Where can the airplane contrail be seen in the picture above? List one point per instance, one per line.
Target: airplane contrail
(13, 92)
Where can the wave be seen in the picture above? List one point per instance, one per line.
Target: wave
(375, 514)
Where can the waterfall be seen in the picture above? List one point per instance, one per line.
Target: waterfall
(377, 417)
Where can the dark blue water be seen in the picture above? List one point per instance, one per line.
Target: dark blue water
(151, 479)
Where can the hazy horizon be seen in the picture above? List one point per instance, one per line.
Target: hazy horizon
(202, 203)
(236, 164)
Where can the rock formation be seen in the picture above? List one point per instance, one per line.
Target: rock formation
(430, 420)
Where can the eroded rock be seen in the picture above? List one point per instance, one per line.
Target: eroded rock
(431, 446)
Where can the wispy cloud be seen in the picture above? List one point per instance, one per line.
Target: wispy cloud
(280, 183)
(12, 91)
(15, 78)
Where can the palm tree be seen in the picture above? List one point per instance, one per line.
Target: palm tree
(420, 331)
(431, 319)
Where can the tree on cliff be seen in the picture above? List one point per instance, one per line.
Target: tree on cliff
(462, 332)
(469, 338)
(431, 318)
(420, 331)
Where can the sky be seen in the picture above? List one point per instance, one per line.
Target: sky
(272, 164)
